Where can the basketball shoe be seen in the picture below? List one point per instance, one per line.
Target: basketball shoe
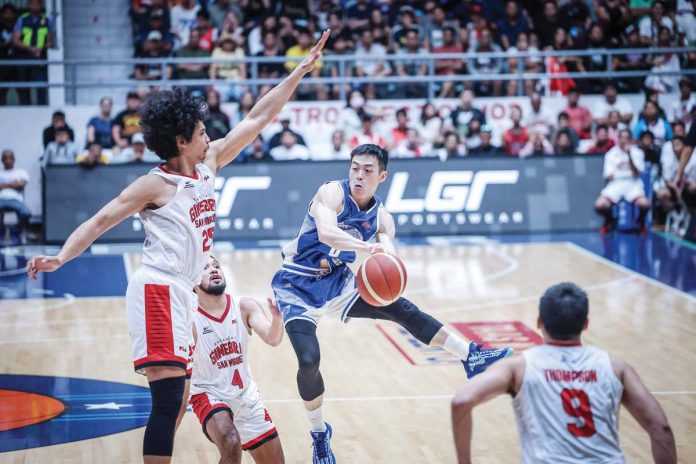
(321, 453)
(479, 359)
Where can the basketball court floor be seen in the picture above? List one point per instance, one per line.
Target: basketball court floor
(68, 392)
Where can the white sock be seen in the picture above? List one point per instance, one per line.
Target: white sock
(456, 346)
(316, 420)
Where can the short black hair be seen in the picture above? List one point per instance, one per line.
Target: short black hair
(61, 129)
(168, 114)
(563, 310)
(648, 133)
(602, 126)
(58, 114)
(374, 150)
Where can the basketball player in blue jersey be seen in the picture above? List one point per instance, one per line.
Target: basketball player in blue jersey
(314, 281)
(176, 204)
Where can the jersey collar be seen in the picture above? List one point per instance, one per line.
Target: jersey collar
(164, 168)
(217, 319)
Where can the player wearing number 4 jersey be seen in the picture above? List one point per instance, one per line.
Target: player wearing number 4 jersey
(315, 281)
(177, 207)
(566, 395)
(223, 393)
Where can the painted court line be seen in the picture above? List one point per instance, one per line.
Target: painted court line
(523, 299)
(619, 267)
(435, 397)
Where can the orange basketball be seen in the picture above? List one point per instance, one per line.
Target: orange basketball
(381, 279)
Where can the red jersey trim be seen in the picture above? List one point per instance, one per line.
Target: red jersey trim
(194, 176)
(224, 315)
(251, 443)
(564, 344)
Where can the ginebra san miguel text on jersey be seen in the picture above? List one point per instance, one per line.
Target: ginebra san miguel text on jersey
(220, 356)
(179, 235)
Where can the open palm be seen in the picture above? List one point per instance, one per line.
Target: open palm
(307, 65)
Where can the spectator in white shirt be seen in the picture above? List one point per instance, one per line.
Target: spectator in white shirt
(612, 102)
(182, 17)
(62, 150)
(649, 26)
(681, 109)
(539, 116)
(665, 188)
(137, 152)
(289, 149)
(369, 60)
(12, 183)
(339, 147)
(430, 124)
(623, 166)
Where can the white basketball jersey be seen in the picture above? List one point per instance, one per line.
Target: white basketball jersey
(220, 358)
(179, 235)
(567, 410)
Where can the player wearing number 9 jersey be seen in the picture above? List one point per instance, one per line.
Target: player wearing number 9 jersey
(566, 395)
(177, 206)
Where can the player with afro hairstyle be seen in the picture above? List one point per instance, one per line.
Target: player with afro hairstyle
(179, 237)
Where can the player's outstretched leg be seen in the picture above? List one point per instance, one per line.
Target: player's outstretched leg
(221, 430)
(431, 332)
(303, 336)
(167, 385)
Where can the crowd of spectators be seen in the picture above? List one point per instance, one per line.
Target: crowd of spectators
(378, 33)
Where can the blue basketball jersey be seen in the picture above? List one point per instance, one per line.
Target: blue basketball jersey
(306, 254)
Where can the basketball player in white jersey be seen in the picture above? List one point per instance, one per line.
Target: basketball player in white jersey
(223, 393)
(566, 395)
(176, 204)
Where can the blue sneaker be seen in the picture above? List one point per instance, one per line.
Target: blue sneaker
(479, 359)
(321, 454)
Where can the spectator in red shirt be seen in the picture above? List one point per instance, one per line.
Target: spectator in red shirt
(400, 132)
(517, 136)
(448, 67)
(580, 116)
(602, 141)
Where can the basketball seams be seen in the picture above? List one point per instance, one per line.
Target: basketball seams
(366, 283)
(399, 267)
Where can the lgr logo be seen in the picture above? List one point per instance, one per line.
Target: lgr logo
(226, 190)
(448, 191)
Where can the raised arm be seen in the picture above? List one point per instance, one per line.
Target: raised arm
(270, 330)
(326, 205)
(225, 150)
(135, 197)
(387, 230)
(498, 379)
(647, 412)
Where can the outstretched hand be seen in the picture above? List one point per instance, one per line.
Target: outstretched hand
(307, 65)
(42, 264)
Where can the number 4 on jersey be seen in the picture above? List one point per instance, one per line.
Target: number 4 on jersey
(576, 403)
(237, 379)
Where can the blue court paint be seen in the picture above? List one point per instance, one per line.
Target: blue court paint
(85, 276)
(93, 408)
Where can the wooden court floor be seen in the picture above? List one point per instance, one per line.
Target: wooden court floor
(386, 404)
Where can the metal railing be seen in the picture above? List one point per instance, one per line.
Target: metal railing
(345, 62)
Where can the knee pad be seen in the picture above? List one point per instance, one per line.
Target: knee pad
(308, 361)
(167, 397)
(421, 325)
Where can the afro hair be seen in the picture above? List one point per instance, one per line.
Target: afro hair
(168, 114)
